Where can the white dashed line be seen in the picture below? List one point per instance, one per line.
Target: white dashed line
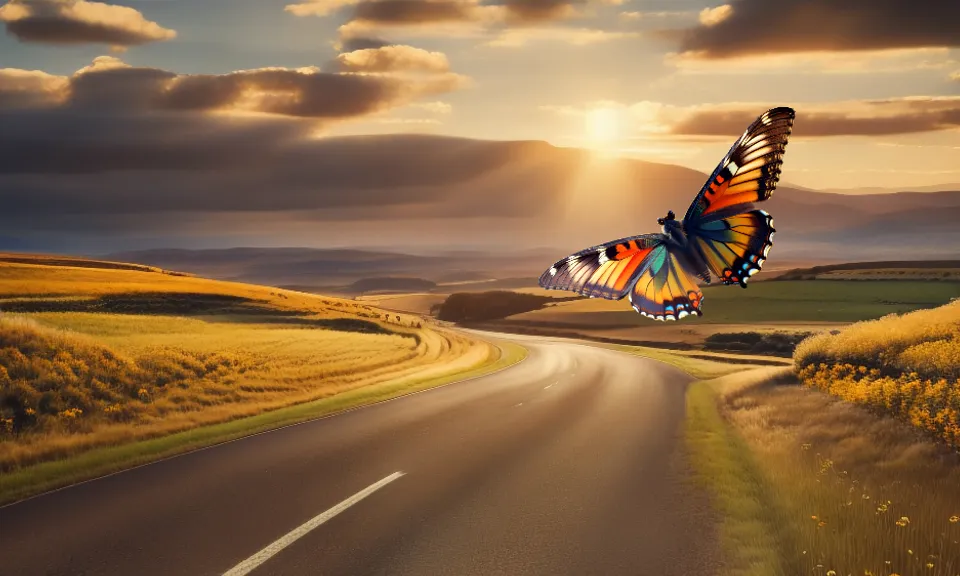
(251, 563)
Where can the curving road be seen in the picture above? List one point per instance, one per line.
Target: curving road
(567, 463)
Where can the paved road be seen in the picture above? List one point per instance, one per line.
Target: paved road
(563, 464)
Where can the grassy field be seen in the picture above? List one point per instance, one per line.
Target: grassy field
(810, 484)
(93, 357)
(905, 366)
(767, 302)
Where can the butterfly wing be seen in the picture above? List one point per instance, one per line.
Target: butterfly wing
(665, 290)
(748, 173)
(721, 223)
(735, 247)
(603, 271)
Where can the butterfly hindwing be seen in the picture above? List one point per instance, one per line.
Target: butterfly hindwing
(735, 247)
(665, 290)
(749, 172)
(603, 271)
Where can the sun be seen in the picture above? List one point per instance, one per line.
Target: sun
(603, 126)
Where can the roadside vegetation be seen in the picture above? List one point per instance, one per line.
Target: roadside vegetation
(95, 356)
(834, 478)
(905, 366)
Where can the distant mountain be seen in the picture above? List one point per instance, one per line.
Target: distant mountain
(483, 209)
(950, 187)
(306, 267)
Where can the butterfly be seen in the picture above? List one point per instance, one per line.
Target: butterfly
(721, 234)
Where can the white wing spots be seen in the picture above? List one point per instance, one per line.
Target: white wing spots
(684, 314)
(602, 256)
(733, 167)
(553, 271)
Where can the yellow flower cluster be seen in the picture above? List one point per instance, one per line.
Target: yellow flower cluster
(906, 366)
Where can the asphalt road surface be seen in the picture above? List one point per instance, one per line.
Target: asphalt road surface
(566, 463)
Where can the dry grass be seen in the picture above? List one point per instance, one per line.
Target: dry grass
(906, 366)
(810, 484)
(77, 380)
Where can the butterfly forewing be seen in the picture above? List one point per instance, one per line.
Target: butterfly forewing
(603, 271)
(749, 172)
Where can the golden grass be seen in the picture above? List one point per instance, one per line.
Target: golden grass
(74, 381)
(809, 484)
(39, 478)
(906, 366)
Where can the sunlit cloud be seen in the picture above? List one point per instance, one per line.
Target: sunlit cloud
(80, 22)
(517, 37)
(637, 15)
(847, 118)
(890, 61)
(713, 16)
(110, 85)
(318, 7)
(393, 58)
(749, 27)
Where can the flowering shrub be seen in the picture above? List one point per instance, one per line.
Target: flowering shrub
(907, 366)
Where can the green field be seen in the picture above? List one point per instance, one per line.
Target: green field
(766, 302)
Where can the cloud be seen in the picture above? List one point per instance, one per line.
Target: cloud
(393, 58)
(897, 60)
(713, 16)
(461, 18)
(109, 85)
(747, 27)
(849, 118)
(854, 118)
(30, 88)
(80, 22)
(640, 15)
(318, 7)
(955, 76)
(513, 38)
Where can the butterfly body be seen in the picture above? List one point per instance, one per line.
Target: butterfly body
(722, 234)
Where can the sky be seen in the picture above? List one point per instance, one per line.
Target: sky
(136, 94)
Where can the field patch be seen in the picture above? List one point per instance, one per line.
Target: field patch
(810, 484)
(94, 356)
(905, 366)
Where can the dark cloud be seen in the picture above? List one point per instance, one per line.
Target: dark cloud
(750, 27)
(110, 85)
(866, 118)
(385, 13)
(539, 10)
(404, 12)
(79, 22)
(361, 43)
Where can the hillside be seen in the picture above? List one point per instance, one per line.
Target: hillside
(942, 270)
(907, 366)
(437, 194)
(94, 355)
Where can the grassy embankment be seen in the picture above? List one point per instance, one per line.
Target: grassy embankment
(808, 483)
(102, 368)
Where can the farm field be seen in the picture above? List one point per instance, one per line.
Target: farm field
(94, 356)
(845, 463)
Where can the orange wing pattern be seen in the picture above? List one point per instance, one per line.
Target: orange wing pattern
(604, 271)
(735, 247)
(664, 290)
(750, 170)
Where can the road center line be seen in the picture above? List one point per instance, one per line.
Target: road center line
(251, 563)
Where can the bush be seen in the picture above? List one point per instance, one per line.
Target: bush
(907, 366)
(482, 306)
